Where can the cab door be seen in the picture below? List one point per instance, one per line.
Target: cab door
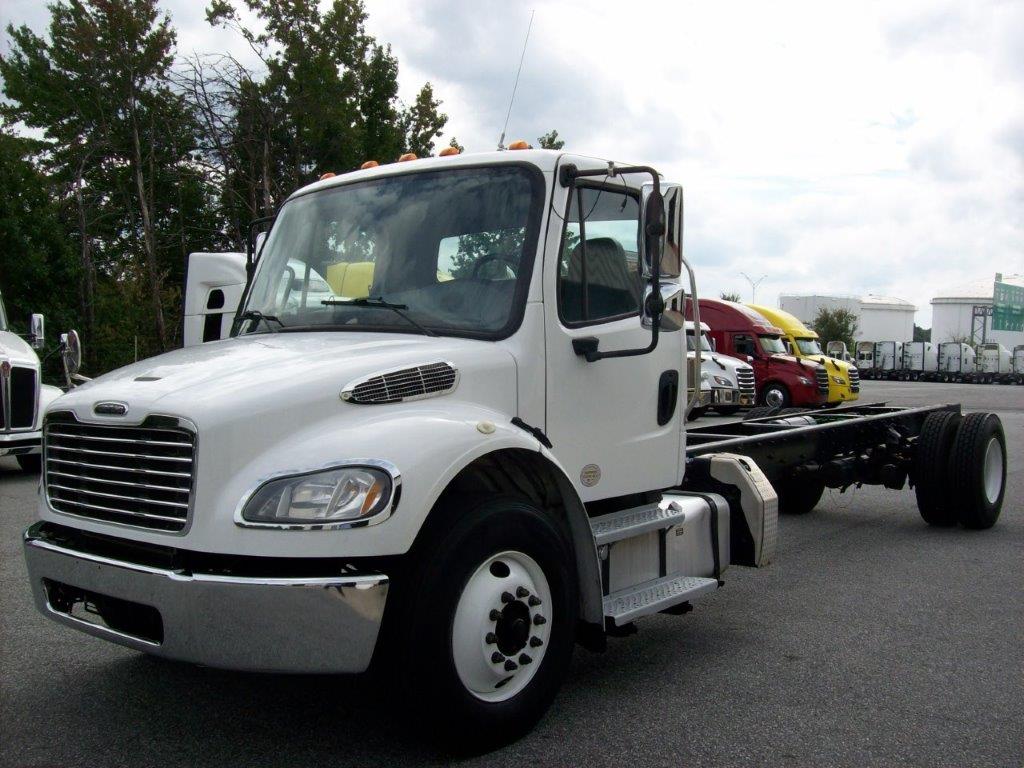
(616, 423)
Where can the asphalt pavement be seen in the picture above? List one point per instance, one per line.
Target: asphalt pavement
(872, 640)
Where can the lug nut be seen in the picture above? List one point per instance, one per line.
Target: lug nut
(524, 659)
(538, 620)
(506, 597)
(490, 638)
(511, 666)
(497, 658)
(495, 614)
(536, 642)
(522, 592)
(534, 601)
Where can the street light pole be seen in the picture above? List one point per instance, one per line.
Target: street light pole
(753, 285)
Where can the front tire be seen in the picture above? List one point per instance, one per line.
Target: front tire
(776, 395)
(499, 581)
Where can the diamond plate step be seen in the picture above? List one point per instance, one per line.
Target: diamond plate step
(652, 596)
(633, 522)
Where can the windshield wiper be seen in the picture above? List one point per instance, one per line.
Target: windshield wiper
(379, 301)
(255, 314)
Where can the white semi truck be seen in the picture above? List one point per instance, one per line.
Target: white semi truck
(865, 359)
(731, 381)
(995, 363)
(452, 480)
(23, 396)
(1018, 364)
(957, 362)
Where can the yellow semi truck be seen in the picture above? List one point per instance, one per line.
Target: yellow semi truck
(843, 378)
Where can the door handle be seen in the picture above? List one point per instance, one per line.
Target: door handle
(668, 396)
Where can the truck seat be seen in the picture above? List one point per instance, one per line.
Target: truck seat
(350, 279)
(611, 289)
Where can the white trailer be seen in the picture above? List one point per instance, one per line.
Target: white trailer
(461, 475)
(957, 361)
(1018, 364)
(920, 361)
(888, 363)
(995, 363)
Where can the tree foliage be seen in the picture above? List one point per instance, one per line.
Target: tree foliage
(550, 140)
(922, 334)
(836, 325)
(730, 295)
(145, 158)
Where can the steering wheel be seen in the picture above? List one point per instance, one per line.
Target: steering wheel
(513, 265)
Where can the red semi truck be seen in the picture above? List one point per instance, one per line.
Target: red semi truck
(782, 380)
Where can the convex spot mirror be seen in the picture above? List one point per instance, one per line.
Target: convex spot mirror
(71, 353)
(36, 331)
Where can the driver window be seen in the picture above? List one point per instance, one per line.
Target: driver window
(598, 280)
(744, 345)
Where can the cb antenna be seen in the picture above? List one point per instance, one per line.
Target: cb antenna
(515, 87)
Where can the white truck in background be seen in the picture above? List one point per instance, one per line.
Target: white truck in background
(888, 359)
(957, 362)
(920, 361)
(995, 363)
(23, 396)
(865, 359)
(1018, 364)
(454, 479)
(731, 381)
(838, 350)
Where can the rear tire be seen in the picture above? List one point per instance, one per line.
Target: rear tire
(447, 632)
(979, 470)
(798, 497)
(32, 463)
(931, 468)
(760, 411)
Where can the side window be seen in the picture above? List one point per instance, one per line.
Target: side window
(743, 344)
(598, 278)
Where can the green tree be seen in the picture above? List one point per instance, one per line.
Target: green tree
(550, 140)
(836, 325)
(922, 334)
(454, 143)
(423, 122)
(730, 296)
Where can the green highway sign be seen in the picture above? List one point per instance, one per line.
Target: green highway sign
(1007, 307)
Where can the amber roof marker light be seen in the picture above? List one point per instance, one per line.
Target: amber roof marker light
(368, 164)
(519, 144)
(407, 157)
(328, 175)
(448, 152)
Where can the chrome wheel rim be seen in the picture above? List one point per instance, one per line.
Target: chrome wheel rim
(502, 626)
(773, 397)
(993, 469)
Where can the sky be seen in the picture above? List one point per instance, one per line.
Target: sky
(839, 148)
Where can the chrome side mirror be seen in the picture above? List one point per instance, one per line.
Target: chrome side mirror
(673, 298)
(36, 332)
(71, 356)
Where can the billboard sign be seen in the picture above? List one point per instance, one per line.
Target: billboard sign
(1007, 307)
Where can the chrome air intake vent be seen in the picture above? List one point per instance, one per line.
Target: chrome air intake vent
(421, 381)
(821, 378)
(745, 379)
(854, 380)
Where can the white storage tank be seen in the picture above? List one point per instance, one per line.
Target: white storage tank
(878, 317)
(952, 312)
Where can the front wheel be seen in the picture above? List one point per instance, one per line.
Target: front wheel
(490, 626)
(775, 395)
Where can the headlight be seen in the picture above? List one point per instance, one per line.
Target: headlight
(342, 495)
(805, 382)
(704, 376)
(838, 380)
(722, 381)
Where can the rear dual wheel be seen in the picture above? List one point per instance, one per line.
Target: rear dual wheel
(959, 469)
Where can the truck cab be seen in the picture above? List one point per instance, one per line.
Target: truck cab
(781, 379)
(843, 378)
(957, 361)
(23, 397)
(994, 363)
(731, 381)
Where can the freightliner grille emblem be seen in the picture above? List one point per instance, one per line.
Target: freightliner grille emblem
(110, 409)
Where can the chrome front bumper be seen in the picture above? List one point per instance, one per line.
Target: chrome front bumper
(730, 396)
(20, 442)
(273, 624)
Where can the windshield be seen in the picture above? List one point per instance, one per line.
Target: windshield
(452, 249)
(691, 345)
(809, 346)
(772, 345)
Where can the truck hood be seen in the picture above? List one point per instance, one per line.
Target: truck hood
(267, 374)
(831, 364)
(16, 349)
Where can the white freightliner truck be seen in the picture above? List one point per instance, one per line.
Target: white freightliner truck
(730, 381)
(23, 396)
(995, 363)
(1018, 364)
(460, 475)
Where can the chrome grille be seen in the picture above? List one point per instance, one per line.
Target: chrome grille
(18, 388)
(404, 384)
(854, 379)
(745, 378)
(821, 376)
(139, 476)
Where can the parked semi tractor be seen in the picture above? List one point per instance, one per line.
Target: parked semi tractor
(995, 363)
(957, 361)
(865, 359)
(452, 480)
(888, 359)
(920, 361)
(1018, 364)
(23, 396)
(843, 378)
(731, 380)
(838, 350)
(781, 380)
